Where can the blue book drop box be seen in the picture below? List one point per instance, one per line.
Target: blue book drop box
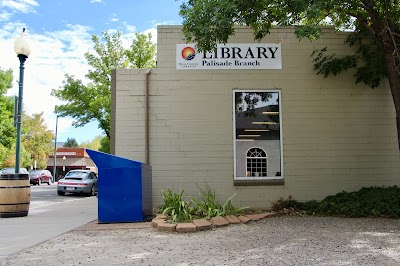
(124, 188)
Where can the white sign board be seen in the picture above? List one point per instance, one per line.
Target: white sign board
(66, 153)
(230, 56)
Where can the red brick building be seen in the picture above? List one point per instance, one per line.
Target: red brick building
(69, 159)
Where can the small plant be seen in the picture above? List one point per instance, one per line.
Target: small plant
(289, 203)
(176, 207)
(208, 205)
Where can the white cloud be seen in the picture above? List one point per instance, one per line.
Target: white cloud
(53, 55)
(169, 22)
(23, 6)
(114, 18)
(130, 28)
(5, 16)
(153, 32)
(96, 1)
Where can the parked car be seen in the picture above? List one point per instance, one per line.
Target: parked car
(11, 170)
(37, 177)
(78, 182)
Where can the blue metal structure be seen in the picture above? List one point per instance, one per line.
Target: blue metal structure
(124, 188)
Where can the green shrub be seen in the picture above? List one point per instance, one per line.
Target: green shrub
(366, 202)
(287, 204)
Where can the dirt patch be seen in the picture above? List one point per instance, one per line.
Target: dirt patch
(282, 240)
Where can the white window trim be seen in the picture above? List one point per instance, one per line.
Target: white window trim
(240, 178)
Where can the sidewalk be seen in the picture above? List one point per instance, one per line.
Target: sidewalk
(44, 223)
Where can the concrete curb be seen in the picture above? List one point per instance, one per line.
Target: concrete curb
(161, 224)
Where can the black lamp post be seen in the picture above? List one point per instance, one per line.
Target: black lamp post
(22, 49)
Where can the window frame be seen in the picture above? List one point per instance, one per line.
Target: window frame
(260, 178)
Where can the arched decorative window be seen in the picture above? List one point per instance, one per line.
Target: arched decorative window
(256, 162)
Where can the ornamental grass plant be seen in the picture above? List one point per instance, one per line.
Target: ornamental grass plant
(177, 209)
(208, 206)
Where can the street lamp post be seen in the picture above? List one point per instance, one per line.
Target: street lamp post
(55, 153)
(22, 49)
(64, 158)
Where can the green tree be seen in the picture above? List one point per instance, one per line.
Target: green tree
(37, 139)
(93, 144)
(7, 130)
(92, 102)
(105, 145)
(25, 156)
(139, 59)
(71, 143)
(375, 25)
(4, 153)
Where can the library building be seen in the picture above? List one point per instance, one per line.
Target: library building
(254, 120)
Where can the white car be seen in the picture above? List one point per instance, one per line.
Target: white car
(11, 170)
(78, 182)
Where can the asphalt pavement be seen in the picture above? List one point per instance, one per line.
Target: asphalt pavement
(45, 220)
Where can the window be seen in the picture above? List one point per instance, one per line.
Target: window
(256, 162)
(258, 135)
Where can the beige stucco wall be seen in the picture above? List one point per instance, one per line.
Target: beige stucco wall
(336, 135)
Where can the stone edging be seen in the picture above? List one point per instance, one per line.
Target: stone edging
(161, 224)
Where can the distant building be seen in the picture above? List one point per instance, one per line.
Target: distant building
(68, 159)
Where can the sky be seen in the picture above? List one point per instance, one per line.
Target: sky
(60, 33)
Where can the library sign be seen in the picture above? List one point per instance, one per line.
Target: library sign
(230, 56)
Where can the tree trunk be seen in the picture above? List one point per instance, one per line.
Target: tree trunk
(394, 83)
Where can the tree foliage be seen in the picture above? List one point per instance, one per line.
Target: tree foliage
(37, 140)
(36, 144)
(375, 25)
(7, 130)
(71, 143)
(105, 145)
(92, 101)
(139, 59)
(93, 144)
(25, 156)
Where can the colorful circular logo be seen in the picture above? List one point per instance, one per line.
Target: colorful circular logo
(188, 53)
